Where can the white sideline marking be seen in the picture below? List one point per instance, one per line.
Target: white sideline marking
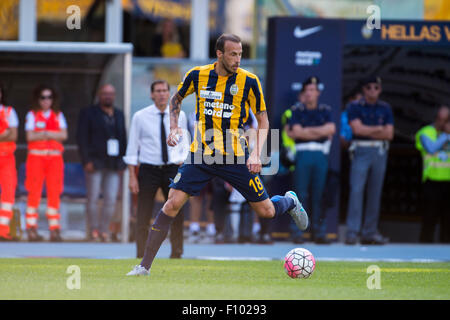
(418, 260)
(235, 258)
(380, 259)
(317, 259)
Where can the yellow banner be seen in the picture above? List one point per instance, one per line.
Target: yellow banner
(52, 10)
(436, 9)
(9, 19)
(166, 9)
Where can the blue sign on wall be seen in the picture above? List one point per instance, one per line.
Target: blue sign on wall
(297, 49)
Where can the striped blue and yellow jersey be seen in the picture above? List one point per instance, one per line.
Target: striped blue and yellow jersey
(222, 107)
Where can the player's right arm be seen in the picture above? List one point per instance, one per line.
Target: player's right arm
(185, 88)
(175, 108)
(175, 130)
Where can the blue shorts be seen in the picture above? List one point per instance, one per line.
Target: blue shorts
(191, 178)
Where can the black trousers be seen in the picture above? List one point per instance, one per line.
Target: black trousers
(436, 209)
(151, 178)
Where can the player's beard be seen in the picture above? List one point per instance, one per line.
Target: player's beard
(227, 68)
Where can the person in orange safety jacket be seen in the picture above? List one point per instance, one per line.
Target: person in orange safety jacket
(46, 129)
(8, 173)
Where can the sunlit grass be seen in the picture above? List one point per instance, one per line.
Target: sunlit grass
(231, 280)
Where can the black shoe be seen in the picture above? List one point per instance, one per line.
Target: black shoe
(351, 241)
(377, 239)
(298, 240)
(33, 236)
(55, 236)
(322, 240)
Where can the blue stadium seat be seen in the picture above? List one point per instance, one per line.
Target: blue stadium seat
(74, 180)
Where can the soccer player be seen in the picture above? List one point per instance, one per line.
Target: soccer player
(224, 95)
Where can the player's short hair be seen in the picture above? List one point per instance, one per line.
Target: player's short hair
(220, 43)
(154, 83)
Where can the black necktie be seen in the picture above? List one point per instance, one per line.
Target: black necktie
(165, 157)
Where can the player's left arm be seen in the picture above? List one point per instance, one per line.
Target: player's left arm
(258, 106)
(254, 161)
(262, 131)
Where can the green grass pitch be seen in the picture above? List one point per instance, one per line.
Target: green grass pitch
(46, 278)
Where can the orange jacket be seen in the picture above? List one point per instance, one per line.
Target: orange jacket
(6, 147)
(43, 124)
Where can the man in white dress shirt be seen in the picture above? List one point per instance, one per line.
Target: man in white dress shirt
(157, 162)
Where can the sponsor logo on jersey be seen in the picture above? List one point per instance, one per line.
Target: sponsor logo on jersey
(219, 105)
(226, 110)
(206, 94)
(218, 113)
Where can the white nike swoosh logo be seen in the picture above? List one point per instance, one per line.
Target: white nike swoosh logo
(299, 33)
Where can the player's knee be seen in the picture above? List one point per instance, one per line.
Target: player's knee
(266, 211)
(172, 206)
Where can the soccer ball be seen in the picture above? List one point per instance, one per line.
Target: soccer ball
(299, 263)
